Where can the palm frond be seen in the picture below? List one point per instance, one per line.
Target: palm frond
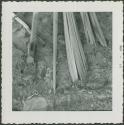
(97, 29)
(69, 50)
(87, 28)
(21, 22)
(77, 49)
(92, 28)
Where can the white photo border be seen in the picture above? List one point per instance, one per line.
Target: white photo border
(114, 116)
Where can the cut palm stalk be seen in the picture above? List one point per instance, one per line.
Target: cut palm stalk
(21, 22)
(55, 33)
(33, 37)
(87, 28)
(97, 29)
(74, 46)
(77, 48)
(69, 50)
(78, 39)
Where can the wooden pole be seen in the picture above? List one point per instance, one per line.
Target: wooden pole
(55, 33)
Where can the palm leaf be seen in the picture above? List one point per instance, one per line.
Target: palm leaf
(97, 29)
(69, 50)
(76, 46)
(87, 28)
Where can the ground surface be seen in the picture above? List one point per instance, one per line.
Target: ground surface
(32, 87)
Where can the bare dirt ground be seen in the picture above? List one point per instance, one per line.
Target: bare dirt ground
(32, 86)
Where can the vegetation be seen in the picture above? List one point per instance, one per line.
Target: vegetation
(63, 62)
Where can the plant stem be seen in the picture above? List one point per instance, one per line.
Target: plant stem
(69, 48)
(87, 28)
(33, 37)
(97, 29)
(55, 33)
(76, 50)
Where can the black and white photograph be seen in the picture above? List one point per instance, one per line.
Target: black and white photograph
(62, 61)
